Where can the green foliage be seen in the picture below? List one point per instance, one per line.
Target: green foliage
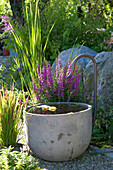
(16, 7)
(10, 116)
(32, 46)
(26, 42)
(5, 8)
(103, 128)
(73, 27)
(13, 160)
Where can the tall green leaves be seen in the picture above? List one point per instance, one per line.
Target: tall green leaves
(29, 46)
(10, 114)
(33, 22)
(31, 51)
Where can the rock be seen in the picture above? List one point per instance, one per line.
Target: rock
(73, 52)
(106, 151)
(104, 62)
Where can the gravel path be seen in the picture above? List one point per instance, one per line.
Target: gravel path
(88, 161)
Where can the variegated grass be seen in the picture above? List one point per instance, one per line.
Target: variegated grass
(10, 116)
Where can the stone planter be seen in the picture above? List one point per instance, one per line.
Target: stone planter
(59, 137)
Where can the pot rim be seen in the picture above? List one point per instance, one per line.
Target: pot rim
(89, 107)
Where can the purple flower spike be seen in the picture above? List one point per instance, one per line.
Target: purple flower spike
(58, 88)
(5, 25)
(3, 16)
(7, 18)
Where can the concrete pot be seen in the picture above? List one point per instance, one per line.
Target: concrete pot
(59, 137)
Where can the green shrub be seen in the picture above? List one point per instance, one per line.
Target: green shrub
(16, 160)
(73, 28)
(5, 8)
(103, 128)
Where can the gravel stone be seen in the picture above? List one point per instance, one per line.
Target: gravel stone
(84, 162)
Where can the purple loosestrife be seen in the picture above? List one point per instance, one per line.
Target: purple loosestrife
(6, 18)
(45, 75)
(56, 88)
(7, 27)
(74, 82)
(59, 80)
(49, 77)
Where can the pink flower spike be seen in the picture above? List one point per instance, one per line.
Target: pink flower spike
(7, 18)
(3, 16)
(5, 25)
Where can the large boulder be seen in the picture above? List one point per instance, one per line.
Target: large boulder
(73, 52)
(104, 62)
